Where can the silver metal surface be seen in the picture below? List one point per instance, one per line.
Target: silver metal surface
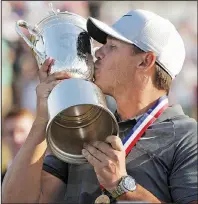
(77, 115)
(63, 37)
(21, 23)
(77, 107)
(111, 103)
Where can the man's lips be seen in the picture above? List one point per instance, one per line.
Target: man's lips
(96, 71)
(96, 64)
(96, 68)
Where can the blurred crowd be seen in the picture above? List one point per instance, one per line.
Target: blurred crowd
(19, 67)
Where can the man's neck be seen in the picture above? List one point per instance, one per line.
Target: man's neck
(130, 105)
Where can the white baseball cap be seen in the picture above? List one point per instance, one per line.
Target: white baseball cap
(149, 32)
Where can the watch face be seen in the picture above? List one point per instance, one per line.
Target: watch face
(129, 183)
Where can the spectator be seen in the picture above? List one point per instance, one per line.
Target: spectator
(16, 126)
(7, 76)
(25, 84)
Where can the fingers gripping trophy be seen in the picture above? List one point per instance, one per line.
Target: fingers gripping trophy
(77, 108)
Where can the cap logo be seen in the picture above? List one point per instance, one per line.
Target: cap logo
(127, 15)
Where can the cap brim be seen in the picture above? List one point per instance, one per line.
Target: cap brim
(99, 31)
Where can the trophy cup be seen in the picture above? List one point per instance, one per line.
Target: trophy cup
(77, 108)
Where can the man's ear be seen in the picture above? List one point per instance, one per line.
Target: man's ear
(147, 60)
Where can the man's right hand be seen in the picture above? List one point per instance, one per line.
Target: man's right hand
(47, 83)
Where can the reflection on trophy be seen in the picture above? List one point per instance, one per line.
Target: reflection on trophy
(77, 108)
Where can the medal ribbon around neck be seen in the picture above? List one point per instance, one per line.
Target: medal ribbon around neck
(142, 125)
(144, 122)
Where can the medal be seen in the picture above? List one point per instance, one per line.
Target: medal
(102, 199)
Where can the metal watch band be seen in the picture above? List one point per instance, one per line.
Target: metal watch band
(117, 192)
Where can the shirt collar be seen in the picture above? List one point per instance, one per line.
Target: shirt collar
(169, 113)
(119, 119)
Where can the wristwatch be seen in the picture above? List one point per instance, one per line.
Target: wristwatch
(126, 184)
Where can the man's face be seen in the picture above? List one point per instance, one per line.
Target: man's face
(15, 132)
(115, 65)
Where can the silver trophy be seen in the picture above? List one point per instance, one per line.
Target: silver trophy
(77, 108)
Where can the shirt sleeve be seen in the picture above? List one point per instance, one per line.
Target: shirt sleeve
(183, 177)
(56, 167)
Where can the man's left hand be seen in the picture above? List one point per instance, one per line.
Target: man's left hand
(108, 160)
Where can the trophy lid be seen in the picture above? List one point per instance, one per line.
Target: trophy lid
(61, 16)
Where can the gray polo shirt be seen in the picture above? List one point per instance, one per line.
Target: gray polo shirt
(164, 161)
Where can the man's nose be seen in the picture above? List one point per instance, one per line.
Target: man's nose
(98, 53)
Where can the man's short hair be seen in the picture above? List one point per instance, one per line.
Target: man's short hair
(162, 80)
(16, 112)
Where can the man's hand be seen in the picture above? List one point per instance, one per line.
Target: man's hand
(48, 82)
(110, 166)
(108, 160)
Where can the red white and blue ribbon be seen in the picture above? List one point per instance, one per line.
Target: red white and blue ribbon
(144, 122)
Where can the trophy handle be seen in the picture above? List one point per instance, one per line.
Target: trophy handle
(24, 24)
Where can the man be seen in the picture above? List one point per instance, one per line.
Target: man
(142, 53)
(16, 127)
